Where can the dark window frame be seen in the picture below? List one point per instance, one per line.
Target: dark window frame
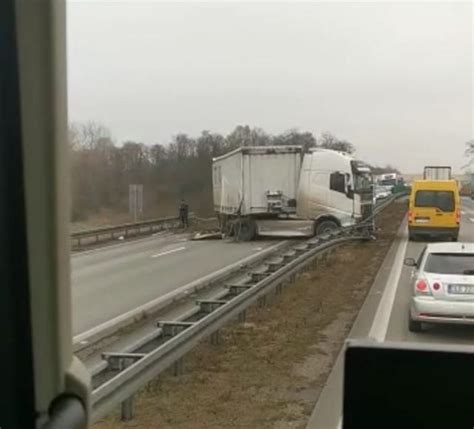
(335, 182)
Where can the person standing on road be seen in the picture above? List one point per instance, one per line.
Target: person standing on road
(183, 214)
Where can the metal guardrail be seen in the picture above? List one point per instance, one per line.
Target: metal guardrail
(126, 230)
(132, 370)
(125, 373)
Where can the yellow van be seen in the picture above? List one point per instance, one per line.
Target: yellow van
(434, 209)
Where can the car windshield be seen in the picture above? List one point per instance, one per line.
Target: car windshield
(450, 263)
(443, 200)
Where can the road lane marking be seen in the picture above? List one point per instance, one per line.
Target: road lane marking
(378, 330)
(471, 219)
(179, 249)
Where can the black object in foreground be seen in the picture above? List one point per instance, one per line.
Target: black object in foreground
(400, 385)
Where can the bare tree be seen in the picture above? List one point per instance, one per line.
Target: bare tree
(243, 135)
(296, 138)
(330, 141)
(102, 169)
(87, 134)
(469, 153)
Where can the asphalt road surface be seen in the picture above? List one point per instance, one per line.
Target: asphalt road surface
(384, 317)
(110, 281)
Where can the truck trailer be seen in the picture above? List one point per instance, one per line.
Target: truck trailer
(282, 191)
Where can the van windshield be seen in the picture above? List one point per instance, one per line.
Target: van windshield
(443, 200)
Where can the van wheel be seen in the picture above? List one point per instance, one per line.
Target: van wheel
(411, 237)
(454, 238)
(325, 226)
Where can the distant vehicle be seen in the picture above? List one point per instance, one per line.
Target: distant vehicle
(388, 180)
(437, 172)
(443, 285)
(281, 191)
(381, 192)
(434, 209)
(387, 184)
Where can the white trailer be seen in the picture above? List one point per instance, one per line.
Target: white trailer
(256, 180)
(280, 191)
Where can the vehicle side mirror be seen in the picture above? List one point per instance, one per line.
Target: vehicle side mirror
(410, 262)
(349, 191)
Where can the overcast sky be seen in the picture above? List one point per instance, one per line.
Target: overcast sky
(396, 79)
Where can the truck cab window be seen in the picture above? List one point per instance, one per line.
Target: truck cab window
(337, 182)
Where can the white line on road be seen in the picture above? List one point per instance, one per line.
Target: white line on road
(179, 249)
(378, 330)
(471, 219)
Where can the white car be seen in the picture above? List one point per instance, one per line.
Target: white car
(382, 192)
(443, 285)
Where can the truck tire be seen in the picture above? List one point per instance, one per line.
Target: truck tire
(245, 230)
(325, 226)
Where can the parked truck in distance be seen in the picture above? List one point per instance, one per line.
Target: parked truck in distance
(437, 172)
(282, 191)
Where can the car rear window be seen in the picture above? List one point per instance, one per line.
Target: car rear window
(450, 263)
(443, 200)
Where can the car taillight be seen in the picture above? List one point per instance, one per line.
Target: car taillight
(410, 216)
(458, 216)
(422, 287)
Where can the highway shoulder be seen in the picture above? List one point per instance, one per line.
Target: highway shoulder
(328, 409)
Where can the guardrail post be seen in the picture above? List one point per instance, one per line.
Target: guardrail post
(242, 316)
(127, 409)
(178, 367)
(262, 301)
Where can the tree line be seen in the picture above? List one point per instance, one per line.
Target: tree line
(102, 169)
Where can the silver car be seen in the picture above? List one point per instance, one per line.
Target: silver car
(443, 285)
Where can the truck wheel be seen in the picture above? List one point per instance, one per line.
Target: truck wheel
(325, 226)
(245, 230)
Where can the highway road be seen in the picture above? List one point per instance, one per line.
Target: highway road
(112, 280)
(384, 317)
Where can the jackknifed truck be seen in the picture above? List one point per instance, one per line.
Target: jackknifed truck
(286, 192)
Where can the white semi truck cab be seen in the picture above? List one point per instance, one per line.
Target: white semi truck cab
(334, 190)
(281, 191)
